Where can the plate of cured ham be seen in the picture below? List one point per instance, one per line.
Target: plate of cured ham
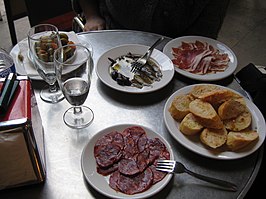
(201, 58)
(119, 161)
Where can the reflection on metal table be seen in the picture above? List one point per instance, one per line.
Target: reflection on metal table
(64, 145)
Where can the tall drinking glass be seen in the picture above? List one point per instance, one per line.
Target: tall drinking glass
(74, 67)
(43, 39)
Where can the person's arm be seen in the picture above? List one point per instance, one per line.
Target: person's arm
(90, 10)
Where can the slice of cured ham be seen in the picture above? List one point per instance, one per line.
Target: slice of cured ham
(199, 58)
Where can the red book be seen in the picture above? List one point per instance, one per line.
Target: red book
(20, 106)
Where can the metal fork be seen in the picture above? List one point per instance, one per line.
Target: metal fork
(137, 65)
(171, 166)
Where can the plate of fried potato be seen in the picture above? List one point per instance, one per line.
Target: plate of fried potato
(214, 121)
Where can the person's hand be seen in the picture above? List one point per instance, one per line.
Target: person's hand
(94, 23)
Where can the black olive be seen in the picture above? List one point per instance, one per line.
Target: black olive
(127, 82)
(119, 75)
(120, 81)
(114, 74)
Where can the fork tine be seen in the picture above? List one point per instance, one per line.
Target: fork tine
(164, 170)
(165, 161)
(135, 66)
(163, 165)
(167, 165)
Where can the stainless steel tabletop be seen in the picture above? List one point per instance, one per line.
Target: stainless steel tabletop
(64, 145)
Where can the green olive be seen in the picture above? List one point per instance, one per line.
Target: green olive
(64, 41)
(37, 49)
(63, 35)
(50, 51)
(44, 37)
(49, 41)
(43, 46)
(43, 57)
(48, 45)
(51, 58)
(37, 44)
(68, 52)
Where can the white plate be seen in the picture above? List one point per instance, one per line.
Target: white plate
(196, 146)
(216, 44)
(27, 67)
(103, 64)
(101, 183)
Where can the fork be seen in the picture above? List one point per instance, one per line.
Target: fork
(137, 65)
(2, 64)
(171, 166)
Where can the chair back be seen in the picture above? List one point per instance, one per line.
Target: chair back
(56, 12)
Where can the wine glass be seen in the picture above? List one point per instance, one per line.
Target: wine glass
(43, 39)
(74, 67)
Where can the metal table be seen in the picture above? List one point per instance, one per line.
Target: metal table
(64, 145)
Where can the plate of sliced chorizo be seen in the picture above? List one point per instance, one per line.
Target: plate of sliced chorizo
(119, 161)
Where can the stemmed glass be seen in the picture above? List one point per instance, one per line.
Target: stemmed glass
(43, 39)
(74, 67)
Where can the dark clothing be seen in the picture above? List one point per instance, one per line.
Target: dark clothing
(171, 18)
